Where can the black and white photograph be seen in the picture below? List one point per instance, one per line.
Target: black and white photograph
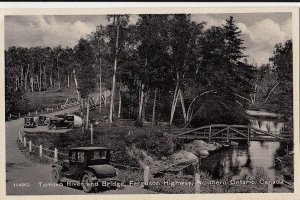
(150, 103)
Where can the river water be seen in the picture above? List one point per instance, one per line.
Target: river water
(246, 158)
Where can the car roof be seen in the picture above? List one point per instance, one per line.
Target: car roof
(90, 148)
(56, 118)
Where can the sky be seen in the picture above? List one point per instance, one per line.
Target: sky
(260, 31)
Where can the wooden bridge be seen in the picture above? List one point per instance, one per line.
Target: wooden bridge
(233, 132)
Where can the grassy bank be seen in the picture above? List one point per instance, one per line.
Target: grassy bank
(48, 99)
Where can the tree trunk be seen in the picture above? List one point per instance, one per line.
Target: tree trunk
(31, 83)
(183, 106)
(271, 92)
(87, 113)
(143, 106)
(189, 111)
(58, 75)
(120, 104)
(16, 84)
(26, 77)
(153, 109)
(83, 112)
(50, 79)
(105, 98)
(25, 83)
(140, 117)
(68, 77)
(37, 82)
(40, 88)
(111, 108)
(45, 77)
(22, 76)
(78, 93)
(100, 86)
(174, 103)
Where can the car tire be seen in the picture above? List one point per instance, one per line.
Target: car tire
(120, 176)
(56, 175)
(86, 182)
(70, 126)
(52, 127)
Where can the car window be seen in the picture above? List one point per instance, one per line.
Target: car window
(28, 119)
(73, 157)
(99, 155)
(80, 157)
(69, 118)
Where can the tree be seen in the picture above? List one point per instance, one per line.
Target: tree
(153, 60)
(119, 23)
(222, 72)
(86, 76)
(282, 60)
(98, 40)
(233, 42)
(184, 55)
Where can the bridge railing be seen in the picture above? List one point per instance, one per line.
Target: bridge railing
(224, 131)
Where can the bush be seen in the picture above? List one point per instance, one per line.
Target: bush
(155, 143)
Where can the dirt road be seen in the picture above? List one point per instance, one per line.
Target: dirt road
(24, 177)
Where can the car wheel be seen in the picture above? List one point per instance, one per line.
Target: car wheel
(52, 126)
(70, 126)
(86, 183)
(56, 175)
(119, 175)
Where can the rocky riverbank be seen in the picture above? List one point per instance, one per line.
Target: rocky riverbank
(188, 155)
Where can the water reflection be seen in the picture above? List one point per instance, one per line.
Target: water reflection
(243, 159)
(271, 125)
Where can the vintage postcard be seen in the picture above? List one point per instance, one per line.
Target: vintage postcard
(151, 102)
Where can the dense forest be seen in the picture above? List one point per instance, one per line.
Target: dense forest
(163, 68)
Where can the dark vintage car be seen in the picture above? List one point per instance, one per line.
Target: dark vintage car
(30, 122)
(61, 122)
(88, 167)
(43, 120)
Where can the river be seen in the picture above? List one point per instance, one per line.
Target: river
(246, 158)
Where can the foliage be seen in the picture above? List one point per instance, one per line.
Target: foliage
(86, 58)
(286, 167)
(282, 61)
(14, 102)
(163, 54)
(225, 75)
(155, 143)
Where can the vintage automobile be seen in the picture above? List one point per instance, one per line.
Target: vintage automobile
(43, 120)
(30, 122)
(58, 122)
(88, 167)
(64, 121)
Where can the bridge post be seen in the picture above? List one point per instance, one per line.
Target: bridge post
(146, 175)
(30, 146)
(40, 151)
(92, 135)
(209, 136)
(249, 132)
(227, 133)
(197, 183)
(55, 155)
(24, 141)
